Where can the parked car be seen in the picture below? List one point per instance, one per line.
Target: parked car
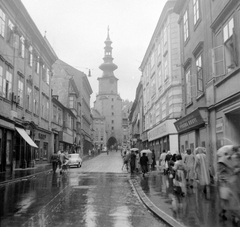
(74, 160)
(104, 149)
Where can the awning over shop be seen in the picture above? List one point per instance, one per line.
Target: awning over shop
(25, 136)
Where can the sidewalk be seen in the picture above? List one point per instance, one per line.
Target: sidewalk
(194, 210)
(19, 174)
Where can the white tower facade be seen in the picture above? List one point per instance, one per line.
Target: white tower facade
(108, 101)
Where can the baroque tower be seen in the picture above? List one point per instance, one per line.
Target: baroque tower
(108, 101)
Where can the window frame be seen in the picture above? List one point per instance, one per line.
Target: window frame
(196, 12)
(36, 101)
(2, 23)
(7, 84)
(199, 66)
(185, 26)
(1, 76)
(29, 96)
(188, 82)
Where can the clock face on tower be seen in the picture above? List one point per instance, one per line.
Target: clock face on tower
(111, 80)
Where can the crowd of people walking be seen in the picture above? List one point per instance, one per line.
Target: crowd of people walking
(186, 168)
(191, 169)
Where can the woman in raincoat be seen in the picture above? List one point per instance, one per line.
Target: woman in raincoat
(229, 181)
(201, 167)
(162, 161)
(189, 161)
(179, 180)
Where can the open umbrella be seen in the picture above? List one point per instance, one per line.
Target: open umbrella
(147, 151)
(134, 149)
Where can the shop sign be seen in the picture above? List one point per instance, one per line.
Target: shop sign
(144, 136)
(64, 137)
(6, 124)
(41, 136)
(161, 130)
(190, 121)
(219, 128)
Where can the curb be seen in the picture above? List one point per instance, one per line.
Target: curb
(153, 208)
(22, 178)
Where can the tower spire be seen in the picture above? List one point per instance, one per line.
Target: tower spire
(108, 33)
(108, 66)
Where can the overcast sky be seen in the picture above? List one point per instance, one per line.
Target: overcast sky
(77, 29)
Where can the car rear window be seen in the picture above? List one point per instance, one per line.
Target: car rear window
(73, 155)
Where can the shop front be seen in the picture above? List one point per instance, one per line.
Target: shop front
(164, 137)
(144, 139)
(65, 141)
(43, 151)
(24, 145)
(87, 145)
(6, 145)
(192, 130)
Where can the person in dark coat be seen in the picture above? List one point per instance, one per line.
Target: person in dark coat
(153, 160)
(132, 161)
(144, 163)
(54, 160)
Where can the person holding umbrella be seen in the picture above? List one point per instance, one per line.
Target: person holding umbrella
(144, 163)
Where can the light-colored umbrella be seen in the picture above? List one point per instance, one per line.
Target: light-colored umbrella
(147, 151)
(134, 149)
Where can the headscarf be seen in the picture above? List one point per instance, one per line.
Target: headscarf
(200, 150)
(169, 152)
(229, 155)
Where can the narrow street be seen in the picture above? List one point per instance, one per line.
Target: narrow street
(98, 194)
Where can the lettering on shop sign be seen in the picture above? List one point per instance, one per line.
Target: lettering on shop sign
(190, 121)
(42, 136)
(158, 131)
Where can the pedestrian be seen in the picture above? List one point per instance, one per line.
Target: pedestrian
(179, 179)
(137, 161)
(229, 181)
(125, 160)
(167, 160)
(171, 165)
(162, 161)
(54, 160)
(153, 160)
(59, 161)
(144, 164)
(189, 162)
(201, 168)
(132, 161)
(64, 159)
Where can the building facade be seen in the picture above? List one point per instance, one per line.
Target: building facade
(99, 130)
(161, 78)
(136, 119)
(25, 89)
(209, 31)
(194, 39)
(74, 91)
(108, 102)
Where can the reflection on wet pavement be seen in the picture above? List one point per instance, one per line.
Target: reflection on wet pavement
(193, 210)
(77, 199)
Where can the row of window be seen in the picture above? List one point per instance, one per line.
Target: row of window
(224, 56)
(25, 50)
(196, 18)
